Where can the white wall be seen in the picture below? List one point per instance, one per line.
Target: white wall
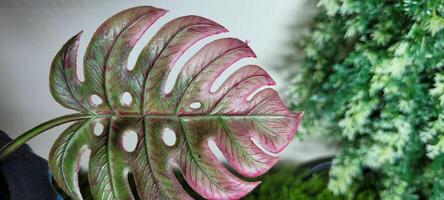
(32, 31)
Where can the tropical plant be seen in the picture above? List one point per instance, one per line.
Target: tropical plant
(372, 79)
(243, 119)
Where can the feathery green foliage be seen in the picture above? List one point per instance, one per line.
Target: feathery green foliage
(373, 80)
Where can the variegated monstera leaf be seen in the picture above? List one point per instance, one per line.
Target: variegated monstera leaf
(242, 127)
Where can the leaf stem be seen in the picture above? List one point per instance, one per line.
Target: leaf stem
(23, 138)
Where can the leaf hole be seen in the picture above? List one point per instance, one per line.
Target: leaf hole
(262, 148)
(195, 105)
(229, 71)
(129, 140)
(84, 159)
(259, 90)
(179, 176)
(216, 151)
(131, 66)
(95, 100)
(182, 60)
(136, 52)
(98, 129)
(221, 157)
(126, 99)
(169, 137)
(132, 183)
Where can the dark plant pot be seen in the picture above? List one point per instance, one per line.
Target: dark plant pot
(320, 167)
(24, 175)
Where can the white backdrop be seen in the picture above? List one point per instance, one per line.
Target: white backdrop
(32, 31)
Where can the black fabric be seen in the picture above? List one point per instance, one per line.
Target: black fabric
(24, 175)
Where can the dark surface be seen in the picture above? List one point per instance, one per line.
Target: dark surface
(24, 175)
(320, 167)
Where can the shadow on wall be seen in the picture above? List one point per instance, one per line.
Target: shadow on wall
(292, 54)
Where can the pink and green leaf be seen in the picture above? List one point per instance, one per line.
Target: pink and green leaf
(244, 120)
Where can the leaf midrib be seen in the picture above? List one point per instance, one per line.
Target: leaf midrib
(187, 116)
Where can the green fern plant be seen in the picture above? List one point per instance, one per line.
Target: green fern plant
(372, 80)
